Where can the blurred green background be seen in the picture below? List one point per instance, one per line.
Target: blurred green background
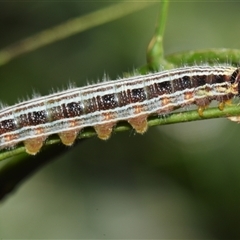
(176, 181)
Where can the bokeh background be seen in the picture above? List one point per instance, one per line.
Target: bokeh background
(176, 181)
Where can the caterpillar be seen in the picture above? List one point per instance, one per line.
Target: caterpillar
(101, 106)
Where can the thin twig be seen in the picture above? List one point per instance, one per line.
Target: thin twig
(70, 28)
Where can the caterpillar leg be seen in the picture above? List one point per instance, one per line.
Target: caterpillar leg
(34, 145)
(68, 137)
(201, 110)
(104, 130)
(139, 124)
(222, 104)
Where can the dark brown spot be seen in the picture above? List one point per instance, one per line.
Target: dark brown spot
(7, 126)
(182, 83)
(198, 81)
(186, 82)
(35, 118)
(32, 118)
(106, 102)
(137, 95)
(163, 88)
(218, 79)
(73, 109)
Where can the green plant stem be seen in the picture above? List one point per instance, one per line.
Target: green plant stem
(155, 52)
(69, 28)
(211, 56)
(177, 117)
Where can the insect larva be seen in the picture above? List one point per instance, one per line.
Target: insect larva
(102, 105)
